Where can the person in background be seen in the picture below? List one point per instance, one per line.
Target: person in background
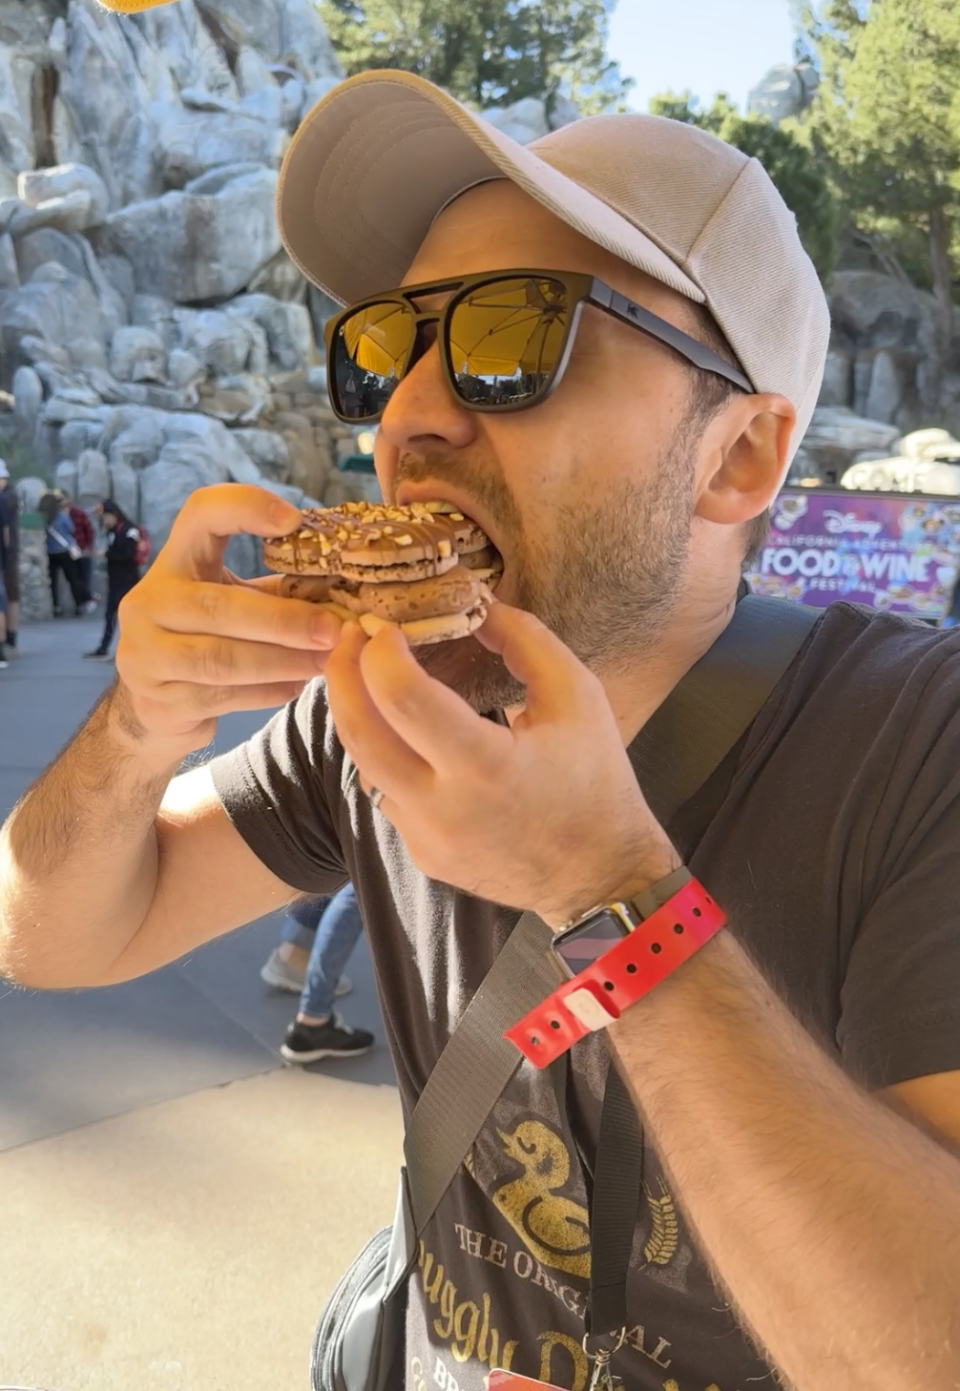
(62, 552)
(123, 572)
(3, 620)
(951, 619)
(10, 557)
(84, 536)
(286, 966)
(335, 925)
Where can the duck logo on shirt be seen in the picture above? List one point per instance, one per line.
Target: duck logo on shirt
(554, 1227)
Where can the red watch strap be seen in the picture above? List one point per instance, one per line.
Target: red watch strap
(621, 977)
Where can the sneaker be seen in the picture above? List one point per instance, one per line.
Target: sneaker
(98, 656)
(3, 662)
(309, 1043)
(89, 607)
(283, 975)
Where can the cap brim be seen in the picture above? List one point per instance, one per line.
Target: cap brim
(380, 155)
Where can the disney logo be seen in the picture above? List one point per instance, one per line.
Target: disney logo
(838, 522)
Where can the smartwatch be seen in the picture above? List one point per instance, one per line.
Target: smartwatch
(612, 957)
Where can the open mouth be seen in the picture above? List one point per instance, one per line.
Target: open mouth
(476, 551)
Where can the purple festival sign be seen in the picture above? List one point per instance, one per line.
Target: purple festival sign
(895, 553)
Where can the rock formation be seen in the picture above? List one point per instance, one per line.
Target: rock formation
(154, 337)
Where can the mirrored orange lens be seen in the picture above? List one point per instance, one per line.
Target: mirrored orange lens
(506, 339)
(370, 354)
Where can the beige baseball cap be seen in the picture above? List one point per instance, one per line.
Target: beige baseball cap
(383, 153)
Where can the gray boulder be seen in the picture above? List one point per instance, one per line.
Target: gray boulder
(138, 443)
(156, 314)
(9, 270)
(253, 72)
(315, 91)
(165, 486)
(281, 280)
(29, 492)
(72, 213)
(125, 488)
(188, 247)
(281, 31)
(109, 79)
(216, 441)
(178, 33)
(184, 369)
(65, 475)
(523, 121)
(38, 187)
(783, 92)
(220, 341)
(287, 326)
(267, 106)
(137, 355)
(93, 478)
(268, 451)
(28, 399)
(190, 143)
(17, 143)
(78, 435)
(87, 352)
(56, 306)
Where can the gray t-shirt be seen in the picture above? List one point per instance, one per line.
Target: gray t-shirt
(834, 853)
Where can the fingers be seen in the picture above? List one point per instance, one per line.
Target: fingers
(382, 757)
(210, 516)
(430, 718)
(221, 662)
(242, 611)
(555, 679)
(210, 701)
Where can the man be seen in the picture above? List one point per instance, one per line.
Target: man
(84, 538)
(123, 572)
(9, 560)
(797, 1079)
(63, 553)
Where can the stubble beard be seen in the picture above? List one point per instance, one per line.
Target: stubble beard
(606, 583)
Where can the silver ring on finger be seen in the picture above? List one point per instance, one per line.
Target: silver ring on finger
(376, 797)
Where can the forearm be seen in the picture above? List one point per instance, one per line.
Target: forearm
(831, 1221)
(78, 855)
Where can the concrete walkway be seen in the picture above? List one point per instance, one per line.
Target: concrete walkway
(174, 1202)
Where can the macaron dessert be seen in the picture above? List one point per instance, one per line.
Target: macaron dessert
(426, 569)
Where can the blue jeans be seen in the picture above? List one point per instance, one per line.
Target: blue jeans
(329, 928)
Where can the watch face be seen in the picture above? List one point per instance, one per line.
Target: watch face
(580, 946)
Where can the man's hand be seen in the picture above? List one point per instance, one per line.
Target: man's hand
(546, 815)
(196, 642)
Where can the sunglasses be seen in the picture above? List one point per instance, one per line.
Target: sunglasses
(505, 339)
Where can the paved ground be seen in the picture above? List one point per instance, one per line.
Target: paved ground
(174, 1202)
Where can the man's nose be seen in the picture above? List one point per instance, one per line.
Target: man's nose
(423, 413)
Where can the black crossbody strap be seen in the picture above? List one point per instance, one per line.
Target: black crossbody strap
(681, 747)
(475, 1066)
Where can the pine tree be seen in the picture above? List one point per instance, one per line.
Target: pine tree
(485, 52)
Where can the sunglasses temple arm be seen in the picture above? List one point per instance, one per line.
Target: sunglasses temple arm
(612, 302)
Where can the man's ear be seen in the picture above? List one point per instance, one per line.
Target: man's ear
(745, 457)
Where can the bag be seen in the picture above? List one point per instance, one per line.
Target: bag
(688, 745)
(359, 1339)
(144, 546)
(73, 550)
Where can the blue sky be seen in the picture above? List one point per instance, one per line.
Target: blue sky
(706, 45)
